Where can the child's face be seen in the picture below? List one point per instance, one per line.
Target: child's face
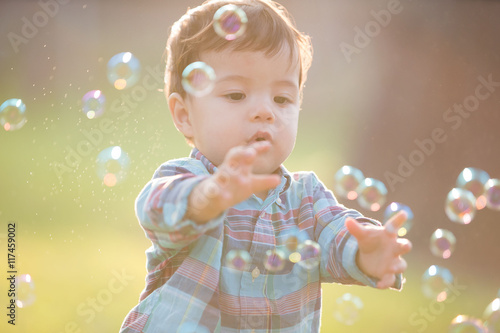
(255, 97)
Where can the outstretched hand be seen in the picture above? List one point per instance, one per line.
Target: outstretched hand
(380, 249)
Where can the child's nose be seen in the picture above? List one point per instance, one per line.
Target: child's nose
(263, 112)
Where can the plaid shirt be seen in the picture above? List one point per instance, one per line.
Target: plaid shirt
(189, 287)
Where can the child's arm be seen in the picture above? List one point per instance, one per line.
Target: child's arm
(380, 249)
(233, 183)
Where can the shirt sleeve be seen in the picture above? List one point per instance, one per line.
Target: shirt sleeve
(338, 246)
(162, 205)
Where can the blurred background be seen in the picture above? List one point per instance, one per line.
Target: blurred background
(385, 76)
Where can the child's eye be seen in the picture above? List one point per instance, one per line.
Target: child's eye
(235, 96)
(281, 100)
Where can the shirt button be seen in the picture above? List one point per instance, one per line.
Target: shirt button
(255, 273)
(278, 201)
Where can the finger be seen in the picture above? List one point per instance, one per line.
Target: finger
(355, 228)
(404, 246)
(264, 182)
(396, 222)
(386, 281)
(260, 146)
(400, 266)
(239, 157)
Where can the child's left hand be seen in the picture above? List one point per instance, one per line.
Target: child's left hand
(380, 249)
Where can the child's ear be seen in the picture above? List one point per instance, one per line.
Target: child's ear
(180, 114)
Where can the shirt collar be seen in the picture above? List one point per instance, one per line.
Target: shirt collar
(286, 178)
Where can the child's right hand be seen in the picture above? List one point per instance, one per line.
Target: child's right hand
(233, 183)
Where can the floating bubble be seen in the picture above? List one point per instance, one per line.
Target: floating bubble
(274, 260)
(198, 79)
(310, 254)
(93, 104)
(348, 309)
(443, 243)
(466, 324)
(491, 315)
(123, 70)
(112, 165)
(393, 209)
(347, 180)
(12, 114)
(230, 22)
(238, 259)
(25, 291)
(492, 192)
(460, 206)
(473, 180)
(372, 194)
(435, 283)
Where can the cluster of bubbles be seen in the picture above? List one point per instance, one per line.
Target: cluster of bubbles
(489, 323)
(350, 183)
(296, 248)
(229, 22)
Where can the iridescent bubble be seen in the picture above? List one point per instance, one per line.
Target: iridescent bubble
(12, 114)
(466, 324)
(112, 165)
(435, 283)
(93, 104)
(25, 291)
(274, 260)
(443, 243)
(238, 259)
(124, 70)
(230, 22)
(348, 309)
(310, 254)
(491, 315)
(392, 209)
(372, 194)
(473, 180)
(460, 206)
(347, 180)
(198, 79)
(492, 192)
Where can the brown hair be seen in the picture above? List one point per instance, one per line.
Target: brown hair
(269, 29)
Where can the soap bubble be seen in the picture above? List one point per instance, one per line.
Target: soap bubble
(238, 259)
(12, 114)
(25, 291)
(460, 206)
(491, 315)
(393, 209)
(93, 104)
(347, 180)
(123, 70)
(473, 180)
(443, 243)
(348, 309)
(435, 283)
(112, 165)
(466, 324)
(492, 190)
(230, 22)
(198, 79)
(372, 194)
(310, 254)
(274, 260)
